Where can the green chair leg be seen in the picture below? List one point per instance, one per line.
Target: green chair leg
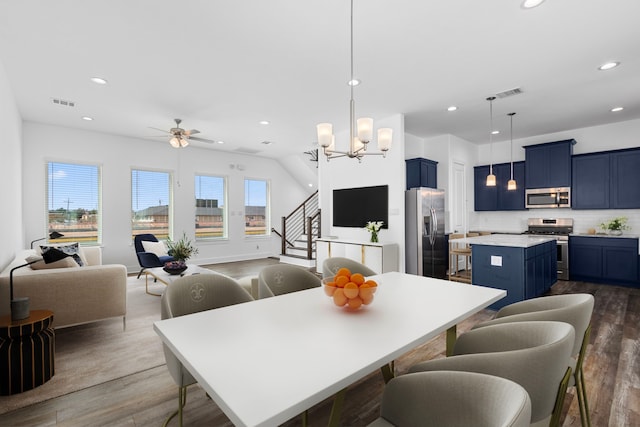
(562, 391)
(581, 391)
(182, 400)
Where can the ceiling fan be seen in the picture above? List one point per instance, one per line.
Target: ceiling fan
(180, 137)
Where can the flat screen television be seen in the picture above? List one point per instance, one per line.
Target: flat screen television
(354, 207)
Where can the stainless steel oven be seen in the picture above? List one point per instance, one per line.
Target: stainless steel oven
(559, 228)
(548, 197)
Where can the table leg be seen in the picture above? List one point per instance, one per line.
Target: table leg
(336, 409)
(451, 339)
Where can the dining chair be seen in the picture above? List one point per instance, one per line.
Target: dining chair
(532, 354)
(330, 267)
(453, 398)
(282, 278)
(148, 259)
(192, 294)
(575, 309)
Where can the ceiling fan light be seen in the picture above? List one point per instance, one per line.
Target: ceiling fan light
(183, 142)
(175, 142)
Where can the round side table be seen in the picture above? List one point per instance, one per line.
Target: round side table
(27, 350)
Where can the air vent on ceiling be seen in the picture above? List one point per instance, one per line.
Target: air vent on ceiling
(247, 150)
(510, 92)
(267, 142)
(63, 102)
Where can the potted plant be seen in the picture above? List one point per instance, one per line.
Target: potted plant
(615, 226)
(373, 227)
(181, 250)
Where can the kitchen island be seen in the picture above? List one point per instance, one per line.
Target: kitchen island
(523, 265)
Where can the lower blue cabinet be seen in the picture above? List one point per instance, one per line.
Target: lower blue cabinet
(612, 260)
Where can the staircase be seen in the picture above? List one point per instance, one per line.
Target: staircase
(299, 232)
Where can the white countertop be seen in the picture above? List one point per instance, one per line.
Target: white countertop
(511, 240)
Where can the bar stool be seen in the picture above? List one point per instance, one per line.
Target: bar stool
(457, 250)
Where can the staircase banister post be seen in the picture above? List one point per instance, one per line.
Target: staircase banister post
(283, 241)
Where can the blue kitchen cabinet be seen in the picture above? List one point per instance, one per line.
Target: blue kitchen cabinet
(590, 181)
(612, 260)
(421, 173)
(498, 198)
(606, 180)
(548, 165)
(485, 198)
(625, 179)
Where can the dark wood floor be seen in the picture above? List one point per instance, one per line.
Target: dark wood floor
(612, 372)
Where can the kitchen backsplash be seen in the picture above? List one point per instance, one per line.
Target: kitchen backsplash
(516, 221)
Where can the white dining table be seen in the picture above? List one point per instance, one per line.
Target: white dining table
(266, 361)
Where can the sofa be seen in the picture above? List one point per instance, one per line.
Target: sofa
(75, 294)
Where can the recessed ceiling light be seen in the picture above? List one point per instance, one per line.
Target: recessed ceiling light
(495, 132)
(452, 108)
(264, 122)
(87, 118)
(616, 109)
(99, 80)
(220, 142)
(310, 185)
(530, 4)
(608, 65)
(354, 82)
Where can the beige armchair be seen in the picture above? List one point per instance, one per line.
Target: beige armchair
(532, 354)
(331, 266)
(281, 279)
(192, 294)
(450, 398)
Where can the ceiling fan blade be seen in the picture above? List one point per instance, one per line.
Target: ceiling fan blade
(195, 138)
(191, 132)
(161, 130)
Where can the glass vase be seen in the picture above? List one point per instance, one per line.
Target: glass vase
(374, 237)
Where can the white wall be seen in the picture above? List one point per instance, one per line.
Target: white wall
(591, 139)
(118, 155)
(11, 226)
(373, 170)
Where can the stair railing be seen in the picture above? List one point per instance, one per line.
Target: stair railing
(296, 224)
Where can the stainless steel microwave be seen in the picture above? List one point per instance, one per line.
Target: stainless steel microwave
(548, 197)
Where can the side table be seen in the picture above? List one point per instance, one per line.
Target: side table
(27, 350)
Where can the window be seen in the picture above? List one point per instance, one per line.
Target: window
(73, 201)
(151, 208)
(211, 218)
(256, 207)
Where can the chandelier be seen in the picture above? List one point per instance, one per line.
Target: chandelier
(360, 131)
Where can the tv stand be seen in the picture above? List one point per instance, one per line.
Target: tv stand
(380, 257)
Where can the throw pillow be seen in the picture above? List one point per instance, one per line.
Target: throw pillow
(71, 249)
(41, 265)
(157, 248)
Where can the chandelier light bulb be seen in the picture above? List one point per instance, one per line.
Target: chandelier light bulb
(365, 129)
(325, 133)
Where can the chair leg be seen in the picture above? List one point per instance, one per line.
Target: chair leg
(562, 391)
(140, 273)
(581, 391)
(182, 400)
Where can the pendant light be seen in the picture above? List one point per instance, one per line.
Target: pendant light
(360, 130)
(491, 178)
(511, 185)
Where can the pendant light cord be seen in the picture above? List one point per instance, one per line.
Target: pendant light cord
(490, 99)
(511, 133)
(352, 104)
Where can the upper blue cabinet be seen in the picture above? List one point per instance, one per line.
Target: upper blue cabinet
(549, 165)
(498, 198)
(606, 180)
(422, 173)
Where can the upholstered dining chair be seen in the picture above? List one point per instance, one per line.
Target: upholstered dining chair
(575, 309)
(453, 398)
(148, 259)
(192, 294)
(532, 354)
(281, 279)
(330, 267)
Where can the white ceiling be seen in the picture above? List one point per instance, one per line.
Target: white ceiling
(222, 66)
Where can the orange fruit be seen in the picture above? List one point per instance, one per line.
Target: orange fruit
(341, 281)
(357, 278)
(339, 298)
(344, 271)
(371, 284)
(351, 290)
(366, 292)
(330, 288)
(354, 303)
(366, 297)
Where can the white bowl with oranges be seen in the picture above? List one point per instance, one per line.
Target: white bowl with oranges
(351, 291)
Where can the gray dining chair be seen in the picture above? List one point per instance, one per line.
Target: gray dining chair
(453, 398)
(330, 267)
(192, 294)
(575, 309)
(281, 279)
(532, 354)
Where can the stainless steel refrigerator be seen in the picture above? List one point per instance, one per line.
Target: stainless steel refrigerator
(426, 249)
